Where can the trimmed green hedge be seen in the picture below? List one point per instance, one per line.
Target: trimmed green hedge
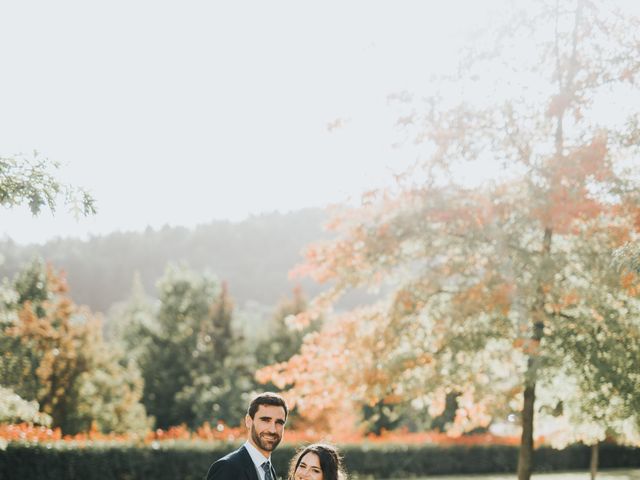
(191, 462)
(406, 461)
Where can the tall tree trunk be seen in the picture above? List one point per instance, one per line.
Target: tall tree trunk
(525, 455)
(594, 460)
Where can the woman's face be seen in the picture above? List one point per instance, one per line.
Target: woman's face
(309, 468)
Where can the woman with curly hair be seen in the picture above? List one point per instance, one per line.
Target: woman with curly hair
(318, 461)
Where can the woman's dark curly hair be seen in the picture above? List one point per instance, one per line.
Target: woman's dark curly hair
(330, 461)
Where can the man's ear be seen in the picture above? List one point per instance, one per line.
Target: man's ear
(248, 421)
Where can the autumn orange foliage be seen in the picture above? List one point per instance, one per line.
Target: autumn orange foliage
(24, 432)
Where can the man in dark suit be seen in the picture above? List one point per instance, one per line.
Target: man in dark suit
(265, 419)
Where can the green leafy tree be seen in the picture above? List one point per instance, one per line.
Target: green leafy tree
(185, 298)
(284, 335)
(222, 377)
(193, 369)
(492, 282)
(131, 323)
(600, 403)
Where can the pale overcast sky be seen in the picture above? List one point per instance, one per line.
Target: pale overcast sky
(183, 112)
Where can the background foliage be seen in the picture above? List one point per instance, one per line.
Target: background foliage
(236, 252)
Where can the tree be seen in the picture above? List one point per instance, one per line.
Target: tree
(31, 181)
(129, 323)
(222, 377)
(601, 404)
(492, 282)
(194, 367)
(284, 336)
(53, 353)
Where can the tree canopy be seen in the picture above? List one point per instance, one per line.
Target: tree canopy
(498, 287)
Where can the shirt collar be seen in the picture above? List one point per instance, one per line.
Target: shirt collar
(257, 457)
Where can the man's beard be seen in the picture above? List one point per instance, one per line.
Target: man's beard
(264, 445)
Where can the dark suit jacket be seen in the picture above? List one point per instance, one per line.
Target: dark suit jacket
(234, 466)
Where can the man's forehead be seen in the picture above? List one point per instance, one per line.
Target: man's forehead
(270, 411)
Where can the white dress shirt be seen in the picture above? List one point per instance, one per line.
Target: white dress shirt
(258, 458)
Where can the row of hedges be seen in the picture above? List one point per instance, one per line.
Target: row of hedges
(191, 462)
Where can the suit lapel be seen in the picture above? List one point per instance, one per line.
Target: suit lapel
(249, 466)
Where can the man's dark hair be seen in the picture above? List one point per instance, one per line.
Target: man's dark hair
(267, 398)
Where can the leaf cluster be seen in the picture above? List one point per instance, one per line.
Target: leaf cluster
(31, 181)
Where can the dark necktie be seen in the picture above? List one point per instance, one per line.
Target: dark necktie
(266, 466)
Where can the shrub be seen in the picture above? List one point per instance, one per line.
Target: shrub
(190, 460)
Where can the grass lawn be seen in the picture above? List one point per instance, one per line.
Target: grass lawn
(633, 474)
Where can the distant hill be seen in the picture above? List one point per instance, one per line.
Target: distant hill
(252, 256)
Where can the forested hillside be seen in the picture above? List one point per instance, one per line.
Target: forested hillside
(252, 256)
